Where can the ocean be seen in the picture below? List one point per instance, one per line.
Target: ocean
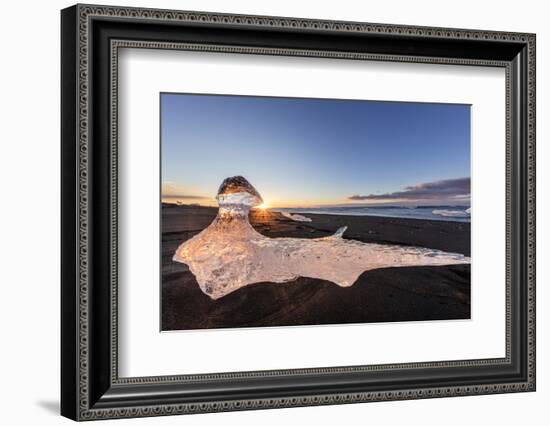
(448, 213)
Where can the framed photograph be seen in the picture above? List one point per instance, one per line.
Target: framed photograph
(263, 212)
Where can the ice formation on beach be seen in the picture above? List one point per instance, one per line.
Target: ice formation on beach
(230, 253)
(296, 217)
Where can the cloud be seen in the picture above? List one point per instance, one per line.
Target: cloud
(441, 189)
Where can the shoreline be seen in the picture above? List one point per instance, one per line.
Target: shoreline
(375, 215)
(441, 218)
(302, 211)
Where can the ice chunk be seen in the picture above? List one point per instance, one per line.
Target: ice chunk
(296, 217)
(230, 254)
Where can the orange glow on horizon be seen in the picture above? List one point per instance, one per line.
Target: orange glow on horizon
(263, 206)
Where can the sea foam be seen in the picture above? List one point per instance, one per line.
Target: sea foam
(452, 213)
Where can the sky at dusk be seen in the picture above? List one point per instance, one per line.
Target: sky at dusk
(315, 152)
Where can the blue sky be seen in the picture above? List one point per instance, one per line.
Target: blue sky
(314, 152)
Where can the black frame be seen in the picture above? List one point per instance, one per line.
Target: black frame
(90, 386)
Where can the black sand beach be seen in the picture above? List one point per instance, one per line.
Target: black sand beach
(383, 295)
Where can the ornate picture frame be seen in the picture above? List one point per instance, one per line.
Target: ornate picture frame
(91, 37)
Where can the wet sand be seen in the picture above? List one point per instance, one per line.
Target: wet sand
(383, 295)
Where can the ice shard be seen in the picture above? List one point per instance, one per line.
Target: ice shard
(230, 253)
(296, 217)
